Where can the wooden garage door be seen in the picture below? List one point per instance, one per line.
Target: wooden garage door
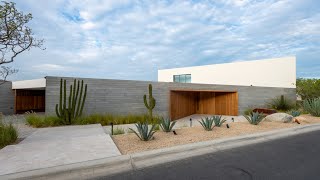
(185, 103)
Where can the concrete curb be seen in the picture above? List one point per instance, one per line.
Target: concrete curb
(113, 165)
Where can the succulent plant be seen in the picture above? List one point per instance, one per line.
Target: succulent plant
(207, 123)
(150, 103)
(166, 124)
(218, 121)
(72, 110)
(144, 133)
(294, 113)
(255, 118)
(312, 106)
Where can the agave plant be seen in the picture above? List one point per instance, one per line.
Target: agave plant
(144, 133)
(166, 124)
(294, 113)
(207, 123)
(218, 121)
(312, 106)
(254, 118)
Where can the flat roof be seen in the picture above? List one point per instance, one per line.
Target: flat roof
(30, 84)
(199, 90)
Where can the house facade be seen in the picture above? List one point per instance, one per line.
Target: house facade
(173, 99)
(276, 72)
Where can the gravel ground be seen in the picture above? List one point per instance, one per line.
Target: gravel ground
(19, 121)
(130, 143)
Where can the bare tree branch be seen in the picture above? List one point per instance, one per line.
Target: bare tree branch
(5, 72)
(15, 36)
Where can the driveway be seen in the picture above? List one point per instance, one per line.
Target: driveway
(296, 157)
(49, 147)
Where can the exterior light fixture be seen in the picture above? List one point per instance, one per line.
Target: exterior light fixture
(111, 128)
(232, 119)
(174, 132)
(190, 122)
(228, 126)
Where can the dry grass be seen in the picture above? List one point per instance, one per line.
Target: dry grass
(129, 143)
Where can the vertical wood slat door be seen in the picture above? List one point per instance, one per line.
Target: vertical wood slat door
(27, 100)
(185, 103)
(182, 104)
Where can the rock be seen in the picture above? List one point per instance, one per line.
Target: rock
(300, 119)
(280, 117)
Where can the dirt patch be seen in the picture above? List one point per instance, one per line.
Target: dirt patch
(130, 143)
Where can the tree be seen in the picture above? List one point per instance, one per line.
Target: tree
(308, 88)
(15, 37)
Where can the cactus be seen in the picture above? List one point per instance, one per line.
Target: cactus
(152, 102)
(72, 110)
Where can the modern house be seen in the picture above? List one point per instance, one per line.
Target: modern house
(258, 82)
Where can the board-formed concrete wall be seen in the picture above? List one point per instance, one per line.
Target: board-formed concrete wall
(6, 98)
(126, 96)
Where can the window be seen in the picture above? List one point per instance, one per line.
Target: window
(182, 78)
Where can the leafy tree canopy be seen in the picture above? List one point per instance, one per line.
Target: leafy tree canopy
(308, 88)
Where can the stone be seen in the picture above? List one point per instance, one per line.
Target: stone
(300, 119)
(279, 117)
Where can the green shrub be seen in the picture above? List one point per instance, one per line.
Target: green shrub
(248, 111)
(166, 124)
(118, 130)
(312, 106)
(308, 88)
(8, 134)
(218, 121)
(254, 118)
(39, 121)
(144, 133)
(207, 123)
(294, 113)
(281, 104)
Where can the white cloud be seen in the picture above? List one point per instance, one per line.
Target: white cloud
(126, 39)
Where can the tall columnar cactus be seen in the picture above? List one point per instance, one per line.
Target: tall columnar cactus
(151, 103)
(72, 110)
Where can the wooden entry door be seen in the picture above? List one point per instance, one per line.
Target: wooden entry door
(185, 103)
(29, 100)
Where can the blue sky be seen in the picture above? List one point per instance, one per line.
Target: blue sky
(123, 39)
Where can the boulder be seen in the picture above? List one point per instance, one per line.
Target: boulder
(279, 117)
(300, 119)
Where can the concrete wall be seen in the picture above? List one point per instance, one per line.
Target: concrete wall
(6, 98)
(277, 72)
(124, 97)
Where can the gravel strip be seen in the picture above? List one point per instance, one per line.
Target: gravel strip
(129, 143)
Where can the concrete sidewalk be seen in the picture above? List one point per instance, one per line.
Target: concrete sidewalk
(132, 162)
(49, 147)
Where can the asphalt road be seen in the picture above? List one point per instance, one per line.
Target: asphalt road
(296, 157)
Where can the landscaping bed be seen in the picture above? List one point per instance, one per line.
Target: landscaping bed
(129, 143)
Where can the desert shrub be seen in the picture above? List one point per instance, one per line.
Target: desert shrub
(248, 111)
(118, 130)
(144, 132)
(281, 104)
(254, 118)
(218, 121)
(207, 123)
(166, 124)
(308, 88)
(312, 106)
(8, 134)
(294, 113)
(39, 121)
(157, 127)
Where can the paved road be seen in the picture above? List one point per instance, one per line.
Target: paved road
(291, 158)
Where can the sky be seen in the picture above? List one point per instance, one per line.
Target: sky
(124, 39)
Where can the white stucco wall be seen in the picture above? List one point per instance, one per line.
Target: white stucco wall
(30, 84)
(276, 72)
